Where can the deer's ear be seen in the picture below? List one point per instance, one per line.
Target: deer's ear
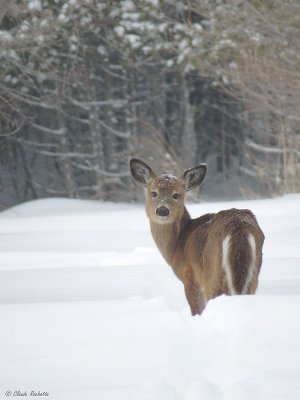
(193, 177)
(141, 172)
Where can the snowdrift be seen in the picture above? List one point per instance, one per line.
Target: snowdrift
(89, 310)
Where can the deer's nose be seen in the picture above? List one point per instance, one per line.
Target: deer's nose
(162, 211)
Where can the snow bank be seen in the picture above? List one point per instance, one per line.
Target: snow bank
(90, 310)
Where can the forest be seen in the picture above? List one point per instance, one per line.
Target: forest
(87, 84)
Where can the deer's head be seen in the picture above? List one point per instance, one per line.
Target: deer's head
(165, 193)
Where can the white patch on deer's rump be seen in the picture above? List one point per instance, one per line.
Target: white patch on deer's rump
(251, 266)
(226, 264)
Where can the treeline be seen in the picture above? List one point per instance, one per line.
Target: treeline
(86, 84)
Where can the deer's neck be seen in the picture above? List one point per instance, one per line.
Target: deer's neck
(167, 237)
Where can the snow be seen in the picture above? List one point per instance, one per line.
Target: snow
(89, 309)
(34, 5)
(5, 36)
(119, 30)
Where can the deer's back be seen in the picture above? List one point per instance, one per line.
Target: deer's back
(237, 222)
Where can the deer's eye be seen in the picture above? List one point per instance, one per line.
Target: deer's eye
(154, 194)
(176, 196)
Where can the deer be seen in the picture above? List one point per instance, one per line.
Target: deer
(214, 254)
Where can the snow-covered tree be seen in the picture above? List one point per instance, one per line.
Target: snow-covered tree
(252, 49)
(88, 83)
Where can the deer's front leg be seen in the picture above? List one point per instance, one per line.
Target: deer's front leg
(193, 291)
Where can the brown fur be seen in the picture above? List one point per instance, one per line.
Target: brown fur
(194, 247)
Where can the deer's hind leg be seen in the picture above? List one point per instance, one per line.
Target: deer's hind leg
(193, 292)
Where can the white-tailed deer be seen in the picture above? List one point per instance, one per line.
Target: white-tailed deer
(213, 254)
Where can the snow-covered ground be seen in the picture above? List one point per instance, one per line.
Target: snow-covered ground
(89, 310)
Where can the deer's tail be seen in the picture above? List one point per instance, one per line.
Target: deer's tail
(239, 261)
